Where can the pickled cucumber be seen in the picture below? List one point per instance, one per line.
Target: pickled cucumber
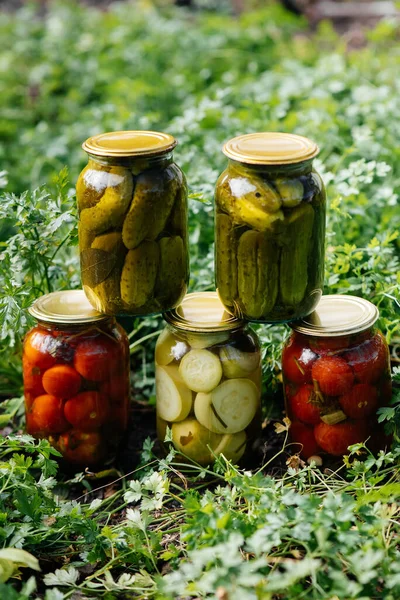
(98, 261)
(169, 348)
(174, 399)
(195, 441)
(258, 268)
(238, 364)
(229, 408)
(85, 235)
(109, 242)
(109, 293)
(173, 271)
(110, 210)
(225, 257)
(232, 446)
(295, 255)
(139, 274)
(254, 202)
(291, 191)
(201, 370)
(150, 208)
(91, 184)
(178, 219)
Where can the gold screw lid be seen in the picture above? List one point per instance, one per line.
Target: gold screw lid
(67, 307)
(202, 312)
(129, 143)
(338, 315)
(270, 148)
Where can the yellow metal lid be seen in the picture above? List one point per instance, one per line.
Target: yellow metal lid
(270, 148)
(67, 307)
(338, 315)
(202, 312)
(129, 143)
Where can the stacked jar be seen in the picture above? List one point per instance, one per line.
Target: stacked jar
(336, 374)
(76, 378)
(132, 203)
(208, 381)
(270, 228)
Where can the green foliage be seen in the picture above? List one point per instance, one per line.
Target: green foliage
(204, 77)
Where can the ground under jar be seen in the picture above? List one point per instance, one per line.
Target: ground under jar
(336, 373)
(270, 228)
(76, 379)
(208, 381)
(132, 203)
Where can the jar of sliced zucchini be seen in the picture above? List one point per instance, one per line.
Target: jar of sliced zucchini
(270, 228)
(132, 203)
(208, 381)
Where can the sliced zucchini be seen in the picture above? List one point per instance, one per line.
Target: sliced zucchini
(236, 363)
(201, 340)
(201, 370)
(169, 348)
(229, 408)
(174, 400)
(195, 441)
(232, 446)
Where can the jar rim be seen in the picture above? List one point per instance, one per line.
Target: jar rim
(338, 315)
(67, 307)
(202, 312)
(270, 148)
(132, 143)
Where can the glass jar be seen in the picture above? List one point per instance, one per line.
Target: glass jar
(336, 374)
(133, 238)
(270, 228)
(208, 381)
(76, 378)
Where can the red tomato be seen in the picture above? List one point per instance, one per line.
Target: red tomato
(87, 410)
(297, 361)
(116, 389)
(302, 407)
(360, 402)
(97, 358)
(369, 360)
(326, 345)
(39, 349)
(32, 378)
(335, 439)
(47, 416)
(301, 434)
(81, 447)
(62, 381)
(333, 375)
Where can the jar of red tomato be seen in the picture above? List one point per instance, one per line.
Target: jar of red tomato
(76, 378)
(336, 374)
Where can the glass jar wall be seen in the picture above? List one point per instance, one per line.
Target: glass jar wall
(208, 381)
(76, 379)
(270, 228)
(336, 373)
(132, 203)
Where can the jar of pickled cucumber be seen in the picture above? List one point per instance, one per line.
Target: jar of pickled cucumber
(208, 381)
(336, 374)
(270, 228)
(133, 240)
(76, 378)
